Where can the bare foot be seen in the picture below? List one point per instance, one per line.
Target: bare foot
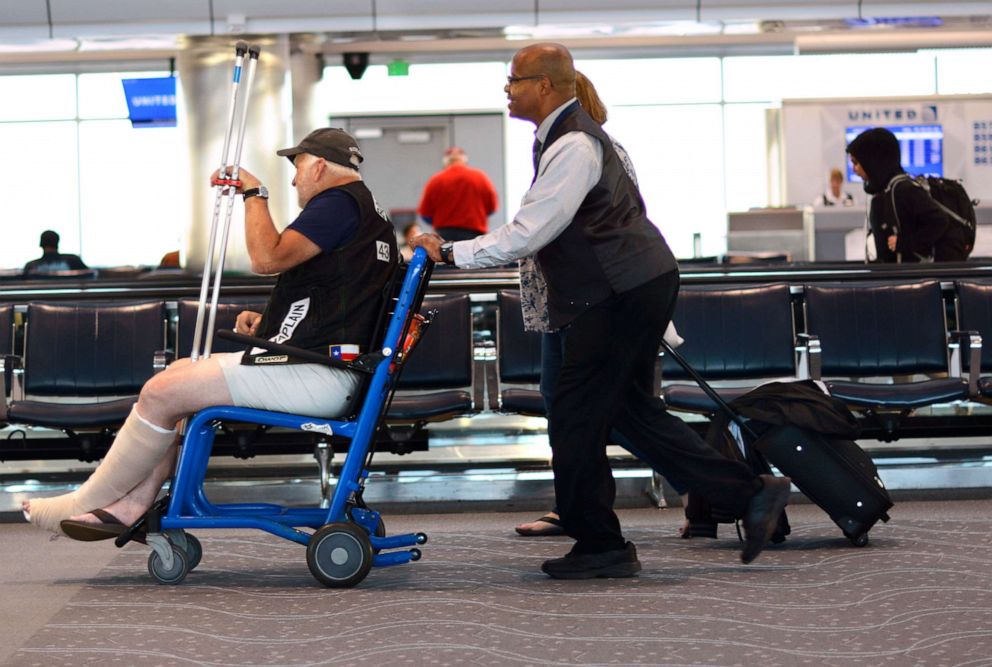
(549, 524)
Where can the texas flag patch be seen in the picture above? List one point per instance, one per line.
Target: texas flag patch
(344, 352)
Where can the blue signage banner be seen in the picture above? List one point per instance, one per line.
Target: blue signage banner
(151, 102)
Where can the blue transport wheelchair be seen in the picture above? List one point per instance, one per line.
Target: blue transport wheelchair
(347, 538)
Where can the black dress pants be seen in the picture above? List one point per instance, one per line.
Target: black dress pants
(606, 382)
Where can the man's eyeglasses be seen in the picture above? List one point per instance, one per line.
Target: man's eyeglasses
(510, 80)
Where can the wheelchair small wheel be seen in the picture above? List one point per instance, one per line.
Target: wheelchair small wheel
(339, 555)
(859, 540)
(421, 538)
(162, 574)
(194, 551)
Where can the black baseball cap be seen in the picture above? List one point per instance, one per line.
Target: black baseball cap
(331, 143)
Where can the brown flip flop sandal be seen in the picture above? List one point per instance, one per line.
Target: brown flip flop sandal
(110, 527)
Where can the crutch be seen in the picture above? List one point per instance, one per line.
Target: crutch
(226, 185)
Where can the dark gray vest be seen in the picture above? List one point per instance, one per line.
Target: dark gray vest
(610, 246)
(335, 297)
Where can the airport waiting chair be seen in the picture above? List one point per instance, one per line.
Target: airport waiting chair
(6, 354)
(872, 332)
(438, 383)
(344, 541)
(228, 310)
(741, 335)
(518, 361)
(973, 305)
(83, 367)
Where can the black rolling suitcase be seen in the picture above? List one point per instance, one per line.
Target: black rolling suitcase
(836, 474)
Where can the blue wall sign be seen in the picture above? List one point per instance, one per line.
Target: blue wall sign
(151, 102)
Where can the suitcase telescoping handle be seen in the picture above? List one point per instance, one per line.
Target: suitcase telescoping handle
(704, 385)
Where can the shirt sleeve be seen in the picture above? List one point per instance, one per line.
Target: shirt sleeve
(569, 169)
(330, 220)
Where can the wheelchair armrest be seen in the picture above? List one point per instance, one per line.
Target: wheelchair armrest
(309, 356)
(808, 356)
(161, 359)
(972, 341)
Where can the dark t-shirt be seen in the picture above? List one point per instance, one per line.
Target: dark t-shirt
(53, 261)
(330, 205)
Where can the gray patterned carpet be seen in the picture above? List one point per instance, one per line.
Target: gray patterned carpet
(919, 594)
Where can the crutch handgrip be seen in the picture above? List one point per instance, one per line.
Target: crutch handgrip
(226, 182)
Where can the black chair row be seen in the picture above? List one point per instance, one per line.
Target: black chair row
(82, 365)
(865, 340)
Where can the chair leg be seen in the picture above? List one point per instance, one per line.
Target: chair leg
(324, 453)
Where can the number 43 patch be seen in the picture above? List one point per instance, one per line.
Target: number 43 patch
(382, 251)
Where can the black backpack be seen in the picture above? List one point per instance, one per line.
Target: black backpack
(951, 196)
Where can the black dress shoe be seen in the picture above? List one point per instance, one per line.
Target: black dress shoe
(606, 564)
(762, 515)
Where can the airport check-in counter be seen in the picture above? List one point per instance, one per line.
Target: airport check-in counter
(788, 231)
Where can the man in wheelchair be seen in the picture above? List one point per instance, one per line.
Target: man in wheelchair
(340, 244)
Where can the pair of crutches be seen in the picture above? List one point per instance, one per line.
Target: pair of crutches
(225, 186)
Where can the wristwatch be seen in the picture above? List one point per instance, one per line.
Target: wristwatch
(261, 192)
(447, 254)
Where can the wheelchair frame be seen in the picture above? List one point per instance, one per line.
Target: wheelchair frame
(349, 538)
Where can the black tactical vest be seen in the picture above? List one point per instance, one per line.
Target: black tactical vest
(610, 246)
(335, 297)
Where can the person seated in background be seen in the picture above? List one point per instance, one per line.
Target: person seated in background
(170, 260)
(458, 200)
(835, 195)
(51, 259)
(341, 244)
(410, 231)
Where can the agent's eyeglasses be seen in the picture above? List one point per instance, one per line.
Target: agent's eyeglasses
(510, 80)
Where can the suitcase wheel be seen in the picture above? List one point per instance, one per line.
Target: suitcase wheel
(858, 540)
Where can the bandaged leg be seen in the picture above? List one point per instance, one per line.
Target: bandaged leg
(137, 449)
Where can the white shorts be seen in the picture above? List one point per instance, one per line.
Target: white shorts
(302, 389)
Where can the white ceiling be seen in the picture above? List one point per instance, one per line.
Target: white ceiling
(27, 25)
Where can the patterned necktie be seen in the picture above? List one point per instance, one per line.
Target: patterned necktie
(537, 155)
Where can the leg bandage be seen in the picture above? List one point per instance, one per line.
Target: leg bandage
(137, 449)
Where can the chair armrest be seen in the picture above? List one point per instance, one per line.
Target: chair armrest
(972, 341)
(161, 359)
(13, 376)
(807, 356)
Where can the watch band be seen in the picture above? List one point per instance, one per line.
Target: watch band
(447, 253)
(256, 192)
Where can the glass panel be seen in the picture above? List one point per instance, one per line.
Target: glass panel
(437, 87)
(774, 78)
(654, 80)
(127, 219)
(102, 95)
(43, 97)
(958, 72)
(745, 151)
(39, 188)
(678, 154)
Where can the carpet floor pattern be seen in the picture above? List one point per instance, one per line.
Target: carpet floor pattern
(919, 594)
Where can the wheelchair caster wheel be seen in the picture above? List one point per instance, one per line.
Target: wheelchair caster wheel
(859, 541)
(194, 551)
(168, 575)
(421, 538)
(415, 554)
(339, 555)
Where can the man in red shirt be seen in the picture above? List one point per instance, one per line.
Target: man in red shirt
(458, 199)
